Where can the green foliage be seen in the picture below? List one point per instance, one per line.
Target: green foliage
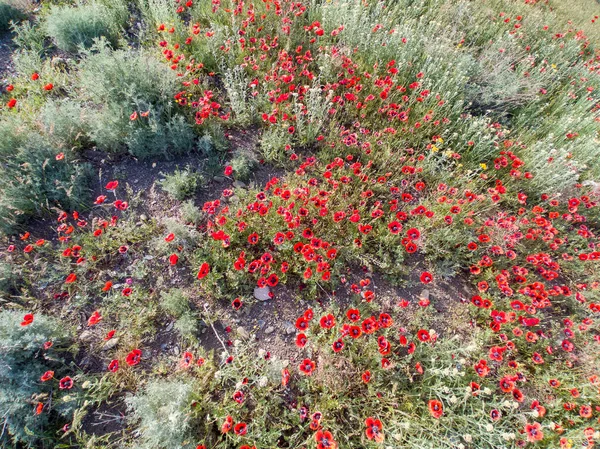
(121, 83)
(161, 412)
(22, 362)
(243, 165)
(33, 181)
(174, 302)
(72, 28)
(190, 213)
(8, 14)
(65, 123)
(182, 184)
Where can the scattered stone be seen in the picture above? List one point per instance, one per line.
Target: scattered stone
(269, 330)
(110, 344)
(289, 328)
(86, 335)
(219, 179)
(170, 326)
(262, 293)
(424, 294)
(261, 324)
(243, 333)
(239, 184)
(143, 217)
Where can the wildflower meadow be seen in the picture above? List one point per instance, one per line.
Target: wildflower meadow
(310, 224)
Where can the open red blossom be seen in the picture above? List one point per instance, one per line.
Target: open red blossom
(240, 428)
(113, 366)
(173, 258)
(71, 278)
(435, 408)
(170, 237)
(227, 424)
(228, 170)
(353, 315)
(27, 319)
(112, 185)
(95, 318)
(47, 376)
(203, 271)
(134, 357)
(325, 440)
(327, 321)
(307, 367)
(426, 277)
(534, 432)
(301, 340)
(374, 429)
(285, 377)
(66, 383)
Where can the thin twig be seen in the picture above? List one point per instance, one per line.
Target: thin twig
(213, 328)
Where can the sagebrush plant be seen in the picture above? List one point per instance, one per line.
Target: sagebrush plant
(75, 27)
(9, 14)
(134, 112)
(182, 184)
(31, 407)
(427, 244)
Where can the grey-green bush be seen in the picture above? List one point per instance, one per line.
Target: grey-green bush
(8, 14)
(161, 412)
(34, 182)
(73, 27)
(181, 184)
(117, 84)
(22, 362)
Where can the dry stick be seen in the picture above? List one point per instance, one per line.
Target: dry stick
(214, 330)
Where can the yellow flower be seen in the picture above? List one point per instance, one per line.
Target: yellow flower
(440, 140)
(434, 149)
(484, 166)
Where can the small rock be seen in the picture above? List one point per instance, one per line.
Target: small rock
(219, 179)
(86, 335)
(243, 333)
(289, 328)
(143, 217)
(262, 293)
(239, 184)
(261, 324)
(110, 344)
(424, 294)
(269, 330)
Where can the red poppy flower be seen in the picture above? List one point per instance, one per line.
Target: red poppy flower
(204, 270)
(534, 432)
(238, 397)
(237, 304)
(112, 185)
(436, 408)
(227, 424)
(134, 357)
(240, 428)
(423, 335)
(228, 170)
(11, 103)
(366, 377)
(66, 383)
(301, 340)
(253, 238)
(285, 377)
(426, 277)
(413, 233)
(173, 258)
(71, 278)
(325, 440)
(327, 321)
(353, 315)
(27, 319)
(374, 429)
(307, 367)
(170, 237)
(94, 319)
(113, 366)
(47, 376)
(338, 345)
